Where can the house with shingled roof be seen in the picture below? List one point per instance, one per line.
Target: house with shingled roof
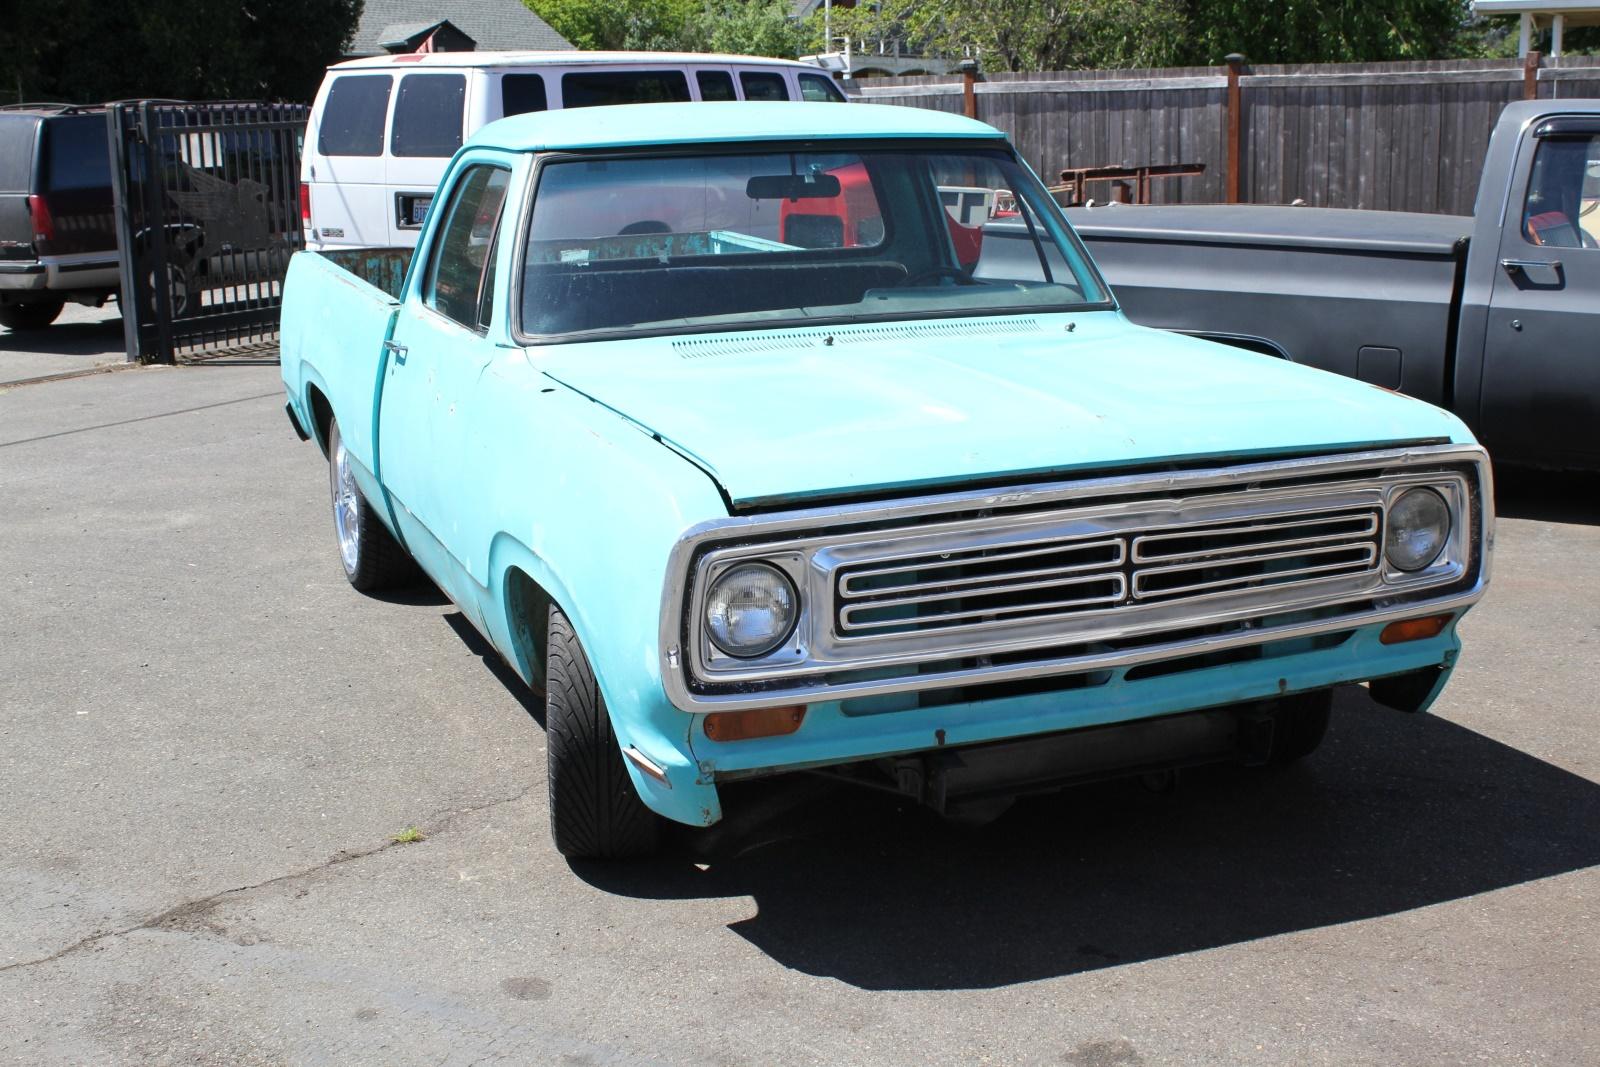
(486, 25)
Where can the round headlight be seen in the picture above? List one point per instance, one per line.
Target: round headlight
(1419, 524)
(751, 609)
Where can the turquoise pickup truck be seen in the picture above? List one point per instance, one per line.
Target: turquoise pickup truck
(767, 438)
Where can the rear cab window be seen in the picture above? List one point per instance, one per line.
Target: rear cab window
(353, 115)
(428, 115)
(763, 85)
(599, 88)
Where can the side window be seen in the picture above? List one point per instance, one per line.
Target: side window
(522, 93)
(427, 116)
(595, 88)
(463, 247)
(715, 85)
(763, 86)
(820, 88)
(353, 114)
(1562, 208)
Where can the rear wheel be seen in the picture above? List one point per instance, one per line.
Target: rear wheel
(371, 557)
(595, 812)
(1298, 725)
(33, 315)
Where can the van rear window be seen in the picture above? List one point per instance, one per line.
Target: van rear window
(352, 117)
(522, 93)
(597, 88)
(76, 153)
(428, 115)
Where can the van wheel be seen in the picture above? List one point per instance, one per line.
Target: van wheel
(595, 813)
(34, 315)
(1299, 723)
(372, 558)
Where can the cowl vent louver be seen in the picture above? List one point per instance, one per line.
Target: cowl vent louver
(790, 340)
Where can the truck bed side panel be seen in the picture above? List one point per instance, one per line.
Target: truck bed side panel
(333, 329)
(1322, 285)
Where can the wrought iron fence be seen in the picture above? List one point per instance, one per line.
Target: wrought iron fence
(207, 201)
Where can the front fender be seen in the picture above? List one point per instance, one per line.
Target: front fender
(594, 527)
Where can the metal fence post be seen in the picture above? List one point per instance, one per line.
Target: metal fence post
(1235, 148)
(118, 133)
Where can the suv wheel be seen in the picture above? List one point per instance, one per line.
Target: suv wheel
(34, 315)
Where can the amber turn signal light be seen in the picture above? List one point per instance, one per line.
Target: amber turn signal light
(762, 722)
(1415, 629)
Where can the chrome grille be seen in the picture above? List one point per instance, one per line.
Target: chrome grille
(1000, 584)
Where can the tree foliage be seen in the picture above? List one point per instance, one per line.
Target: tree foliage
(749, 27)
(1022, 35)
(89, 51)
(1019, 35)
(1323, 31)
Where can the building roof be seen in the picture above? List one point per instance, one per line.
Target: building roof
(667, 124)
(493, 24)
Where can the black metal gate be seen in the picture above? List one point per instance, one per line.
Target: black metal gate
(208, 213)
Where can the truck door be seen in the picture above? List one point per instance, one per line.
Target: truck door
(438, 352)
(1541, 375)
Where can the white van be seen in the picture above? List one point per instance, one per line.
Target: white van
(383, 128)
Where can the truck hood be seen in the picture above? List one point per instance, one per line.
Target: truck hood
(782, 416)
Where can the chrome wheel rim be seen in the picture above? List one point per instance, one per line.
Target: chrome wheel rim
(346, 502)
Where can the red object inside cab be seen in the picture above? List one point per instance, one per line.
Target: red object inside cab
(853, 219)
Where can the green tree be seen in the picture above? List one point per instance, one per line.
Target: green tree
(87, 51)
(1023, 35)
(1324, 31)
(746, 27)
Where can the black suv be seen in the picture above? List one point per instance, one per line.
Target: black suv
(57, 235)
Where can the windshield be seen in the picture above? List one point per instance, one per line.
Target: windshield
(627, 245)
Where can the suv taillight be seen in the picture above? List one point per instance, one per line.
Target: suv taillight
(305, 205)
(44, 225)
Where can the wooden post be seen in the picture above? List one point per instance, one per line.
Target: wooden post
(1235, 150)
(969, 81)
(1530, 76)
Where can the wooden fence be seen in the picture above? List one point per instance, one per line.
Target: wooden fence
(1395, 136)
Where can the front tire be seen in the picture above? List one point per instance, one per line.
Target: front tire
(373, 560)
(34, 315)
(595, 812)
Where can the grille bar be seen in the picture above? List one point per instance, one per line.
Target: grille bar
(987, 583)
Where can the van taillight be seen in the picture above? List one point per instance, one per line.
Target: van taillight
(44, 226)
(305, 205)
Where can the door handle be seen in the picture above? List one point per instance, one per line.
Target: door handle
(1542, 273)
(396, 349)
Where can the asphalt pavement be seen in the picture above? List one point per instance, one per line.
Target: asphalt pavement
(209, 743)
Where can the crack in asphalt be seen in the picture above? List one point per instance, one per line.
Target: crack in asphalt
(438, 823)
(141, 418)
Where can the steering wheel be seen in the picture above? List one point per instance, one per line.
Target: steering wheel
(956, 273)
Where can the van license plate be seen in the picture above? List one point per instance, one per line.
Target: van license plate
(419, 210)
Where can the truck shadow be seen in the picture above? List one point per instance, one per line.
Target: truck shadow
(66, 338)
(1393, 813)
(1548, 496)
